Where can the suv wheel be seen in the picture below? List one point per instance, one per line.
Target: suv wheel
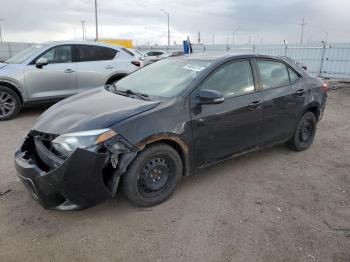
(10, 103)
(305, 132)
(153, 176)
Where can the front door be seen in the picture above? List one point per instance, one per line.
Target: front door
(54, 81)
(222, 130)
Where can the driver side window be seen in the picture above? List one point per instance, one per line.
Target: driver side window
(232, 79)
(60, 54)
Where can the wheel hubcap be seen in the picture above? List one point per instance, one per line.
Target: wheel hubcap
(7, 104)
(306, 130)
(154, 175)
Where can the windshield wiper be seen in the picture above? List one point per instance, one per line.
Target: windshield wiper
(129, 92)
(140, 95)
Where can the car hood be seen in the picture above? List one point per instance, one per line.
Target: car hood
(94, 109)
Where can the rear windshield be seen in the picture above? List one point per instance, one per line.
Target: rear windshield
(165, 78)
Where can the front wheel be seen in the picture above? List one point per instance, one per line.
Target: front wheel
(153, 176)
(10, 103)
(305, 132)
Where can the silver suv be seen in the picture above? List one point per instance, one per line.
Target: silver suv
(46, 73)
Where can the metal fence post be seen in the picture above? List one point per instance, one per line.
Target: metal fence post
(322, 58)
(253, 49)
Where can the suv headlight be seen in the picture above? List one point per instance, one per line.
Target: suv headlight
(66, 144)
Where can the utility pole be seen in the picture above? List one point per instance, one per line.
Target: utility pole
(83, 28)
(145, 35)
(1, 19)
(213, 39)
(303, 23)
(96, 21)
(168, 15)
(199, 37)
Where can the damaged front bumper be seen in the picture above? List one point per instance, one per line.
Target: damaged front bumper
(84, 179)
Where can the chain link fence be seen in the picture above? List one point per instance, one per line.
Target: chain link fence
(324, 60)
(8, 49)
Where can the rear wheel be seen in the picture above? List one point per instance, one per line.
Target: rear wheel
(305, 132)
(153, 176)
(10, 103)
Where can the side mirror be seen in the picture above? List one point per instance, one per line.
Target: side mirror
(41, 62)
(210, 97)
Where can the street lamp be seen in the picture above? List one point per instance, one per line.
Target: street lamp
(1, 19)
(83, 25)
(96, 22)
(233, 37)
(168, 15)
(326, 33)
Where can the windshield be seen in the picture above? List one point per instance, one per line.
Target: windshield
(165, 78)
(23, 55)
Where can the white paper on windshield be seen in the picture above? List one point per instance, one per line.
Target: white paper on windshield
(196, 68)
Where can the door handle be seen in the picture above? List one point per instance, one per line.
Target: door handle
(300, 92)
(109, 67)
(255, 104)
(69, 70)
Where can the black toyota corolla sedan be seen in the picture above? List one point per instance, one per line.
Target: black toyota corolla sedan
(164, 121)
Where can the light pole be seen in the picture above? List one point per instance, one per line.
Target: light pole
(303, 23)
(326, 33)
(1, 19)
(233, 37)
(96, 22)
(83, 27)
(168, 15)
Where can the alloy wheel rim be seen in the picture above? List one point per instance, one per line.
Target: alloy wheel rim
(7, 104)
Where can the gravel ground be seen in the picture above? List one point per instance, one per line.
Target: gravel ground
(272, 205)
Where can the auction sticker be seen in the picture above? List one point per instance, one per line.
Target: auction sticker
(196, 68)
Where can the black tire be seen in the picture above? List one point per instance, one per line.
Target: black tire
(10, 104)
(153, 176)
(305, 133)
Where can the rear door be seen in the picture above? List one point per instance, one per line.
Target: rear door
(94, 65)
(56, 80)
(221, 130)
(282, 95)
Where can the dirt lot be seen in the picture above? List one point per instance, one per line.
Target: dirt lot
(272, 205)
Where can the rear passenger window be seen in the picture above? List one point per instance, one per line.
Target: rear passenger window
(273, 74)
(232, 79)
(90, 53)
(109, 53)
(293, 76)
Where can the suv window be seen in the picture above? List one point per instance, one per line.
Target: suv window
(89, 53)
(232, 79)
(59, 54)
(293, 76)
(109, 53)
(273, 74)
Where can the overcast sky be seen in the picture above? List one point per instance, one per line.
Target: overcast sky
(271, 21)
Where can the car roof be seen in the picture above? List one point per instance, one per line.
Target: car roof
(54, 43)
(221, 56)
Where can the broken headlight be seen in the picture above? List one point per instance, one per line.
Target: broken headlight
(66, 144)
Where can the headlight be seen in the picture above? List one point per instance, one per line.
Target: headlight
(66, 144)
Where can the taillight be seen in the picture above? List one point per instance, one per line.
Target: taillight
(137, 63)
(324, 87)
